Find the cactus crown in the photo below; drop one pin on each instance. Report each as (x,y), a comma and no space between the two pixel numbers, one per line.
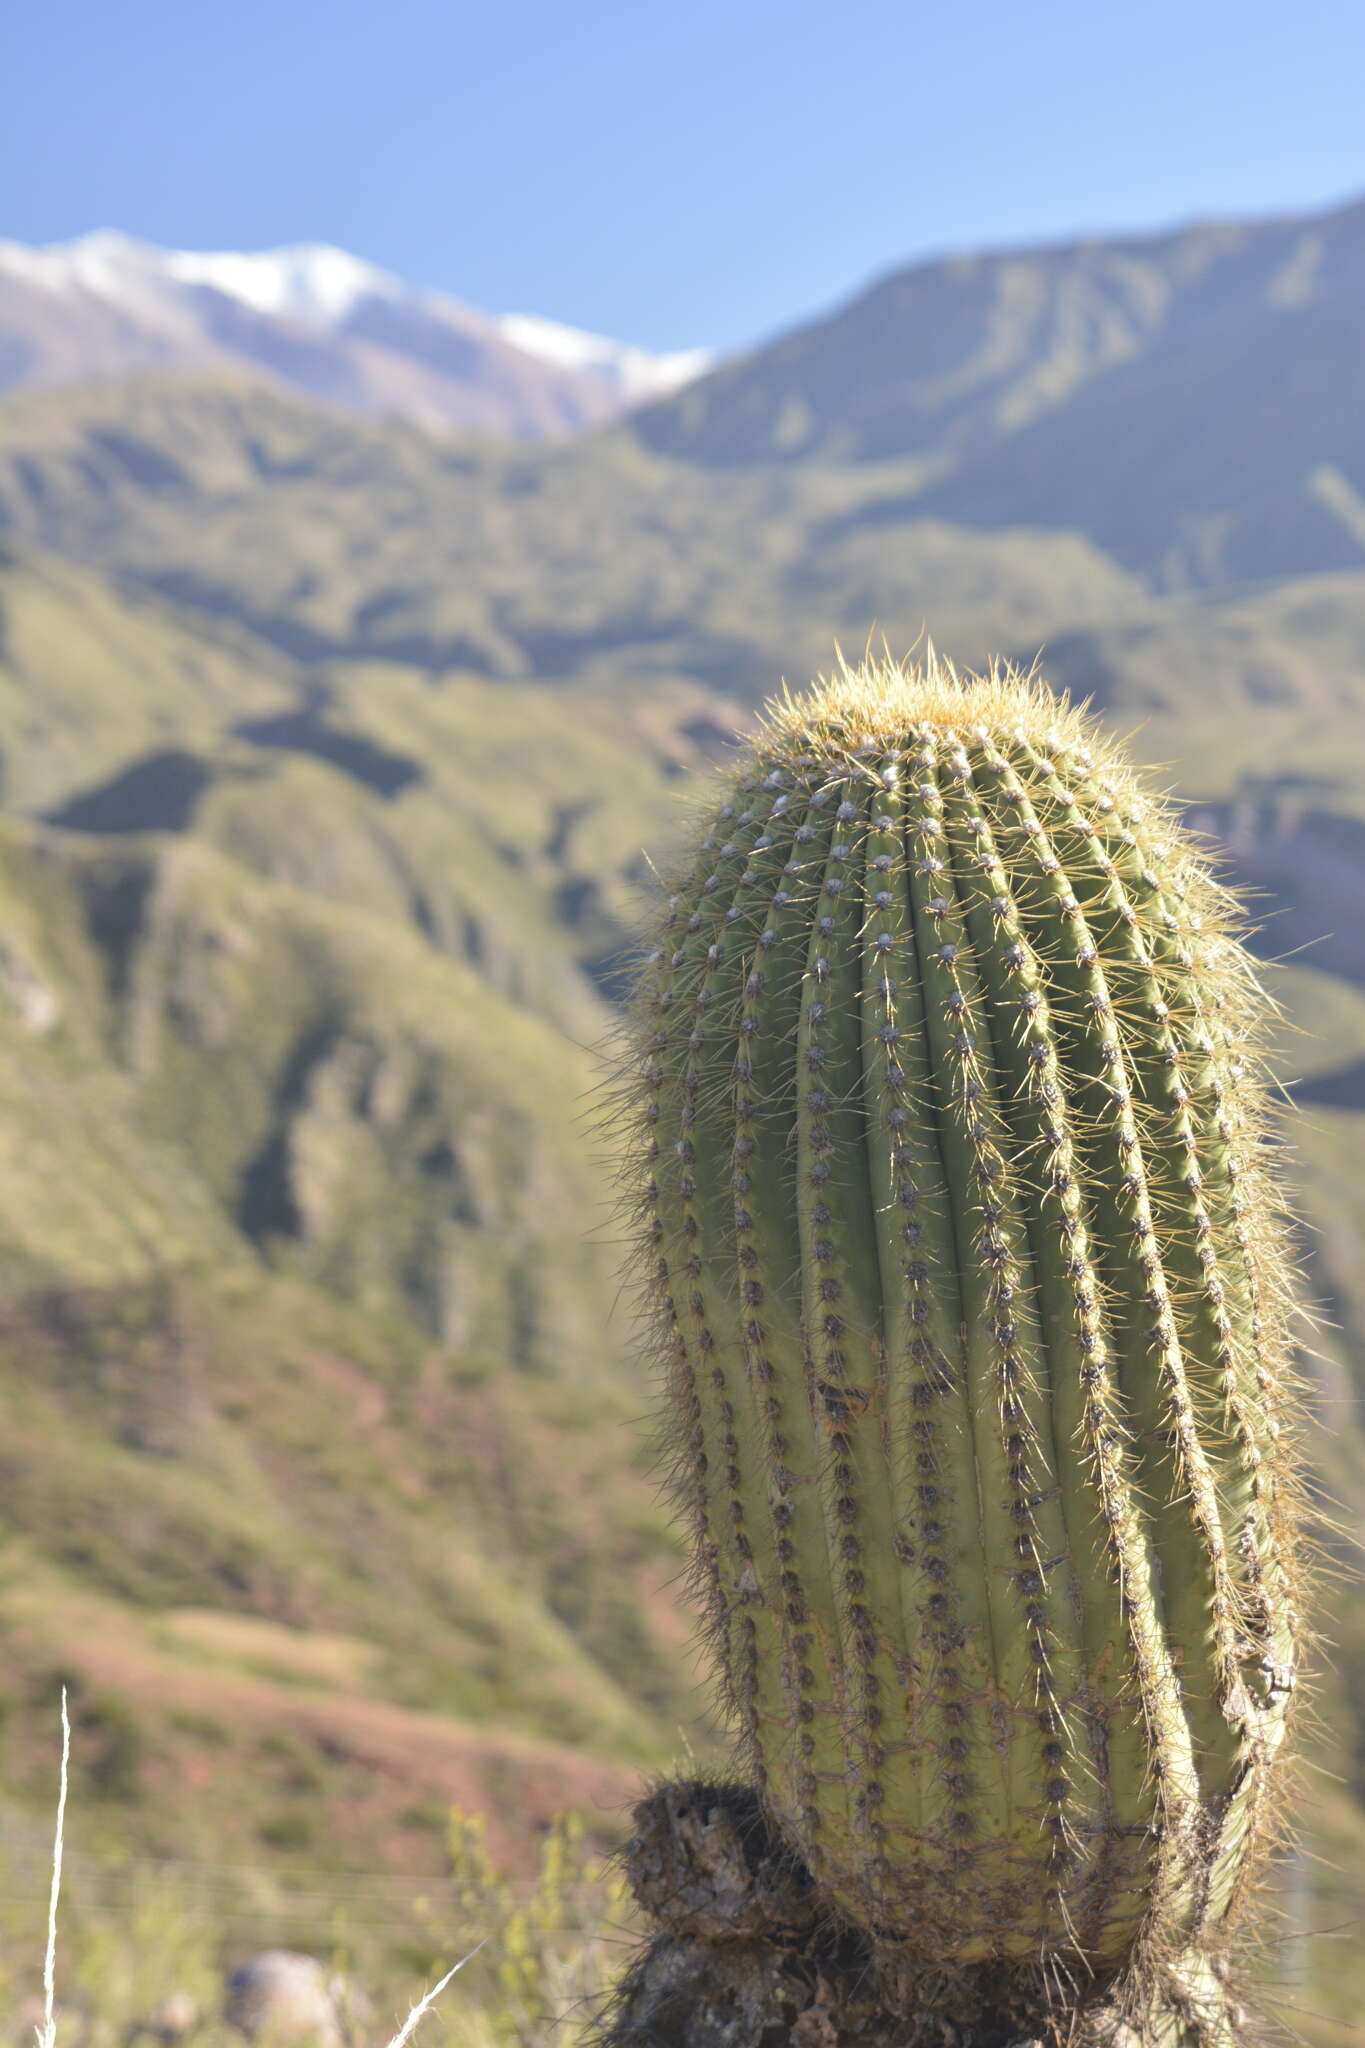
(965,1256)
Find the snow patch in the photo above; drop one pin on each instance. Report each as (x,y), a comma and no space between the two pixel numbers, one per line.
(635,372)
(312,281)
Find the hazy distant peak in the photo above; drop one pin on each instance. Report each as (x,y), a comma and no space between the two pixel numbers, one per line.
(321,319)
(310,283)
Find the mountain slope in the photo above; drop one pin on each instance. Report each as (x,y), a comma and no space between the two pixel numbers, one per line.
(336,538)
(93,677)
(501,824)
(1193,402)
(317,319)
(337,1096)
(318,1391)
(311,1581)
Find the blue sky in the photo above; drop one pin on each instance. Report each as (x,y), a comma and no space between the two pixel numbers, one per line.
(707,173)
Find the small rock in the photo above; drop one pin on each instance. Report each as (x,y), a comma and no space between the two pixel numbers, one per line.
(23,990)
(173,2018)
(280,1999)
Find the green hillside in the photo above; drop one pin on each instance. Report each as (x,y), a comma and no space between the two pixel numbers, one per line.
(593,560)
(330,761)
(312,1581)
(317,1390)
(310,1265)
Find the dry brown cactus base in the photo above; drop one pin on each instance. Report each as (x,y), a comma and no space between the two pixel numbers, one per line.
(746,1956)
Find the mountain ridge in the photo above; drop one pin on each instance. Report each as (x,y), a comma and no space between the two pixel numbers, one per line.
(995,378)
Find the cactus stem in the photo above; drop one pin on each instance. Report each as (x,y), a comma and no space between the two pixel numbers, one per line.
(965,1246)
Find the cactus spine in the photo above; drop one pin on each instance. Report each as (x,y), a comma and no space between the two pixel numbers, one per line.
(968,1266)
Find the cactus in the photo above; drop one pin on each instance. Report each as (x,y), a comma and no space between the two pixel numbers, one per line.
(966,1260)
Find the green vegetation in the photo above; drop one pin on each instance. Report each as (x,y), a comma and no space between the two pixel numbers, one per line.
(136,1942)
(265,1531)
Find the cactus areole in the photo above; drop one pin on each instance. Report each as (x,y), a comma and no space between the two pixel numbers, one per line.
(967,1266)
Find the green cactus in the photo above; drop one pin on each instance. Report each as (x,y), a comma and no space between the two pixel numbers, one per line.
(966,1257)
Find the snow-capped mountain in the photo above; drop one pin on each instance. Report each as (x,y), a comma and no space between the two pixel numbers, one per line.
(321,320)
